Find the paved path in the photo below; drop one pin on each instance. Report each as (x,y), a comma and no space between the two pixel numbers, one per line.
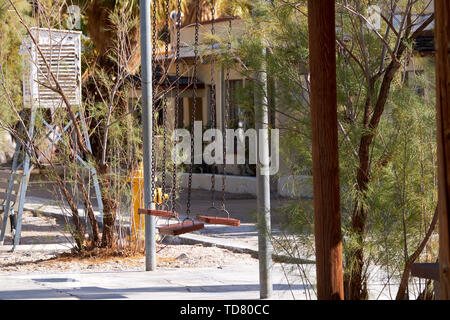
(229,283)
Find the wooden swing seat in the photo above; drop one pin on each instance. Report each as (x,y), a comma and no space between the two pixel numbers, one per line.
(180,228)
(158,213)
(219,220)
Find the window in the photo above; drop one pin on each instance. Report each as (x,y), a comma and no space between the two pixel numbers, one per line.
(240,113)
(235,114)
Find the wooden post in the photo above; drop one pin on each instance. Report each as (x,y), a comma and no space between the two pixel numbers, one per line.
(442,33)
(327,216)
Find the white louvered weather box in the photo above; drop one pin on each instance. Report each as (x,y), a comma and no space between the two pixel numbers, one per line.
(62,51)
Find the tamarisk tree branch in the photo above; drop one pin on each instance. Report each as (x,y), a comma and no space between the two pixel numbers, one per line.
(412,258)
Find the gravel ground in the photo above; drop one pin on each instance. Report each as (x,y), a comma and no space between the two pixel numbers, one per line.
(170,256)
(38,229)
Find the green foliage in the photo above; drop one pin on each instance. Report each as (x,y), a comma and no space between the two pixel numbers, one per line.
(401,194)
(11,35)
(404,186)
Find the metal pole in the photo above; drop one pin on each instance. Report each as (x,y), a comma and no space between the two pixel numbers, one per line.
(27,168)
(147,125)
(23,190)
(6,212)
(263,190)
(263,183)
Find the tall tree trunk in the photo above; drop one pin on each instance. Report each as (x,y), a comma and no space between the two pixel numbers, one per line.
(109,219)
(110,206)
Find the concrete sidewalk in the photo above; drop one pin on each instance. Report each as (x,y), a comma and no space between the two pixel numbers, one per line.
(57,247)
(229,283)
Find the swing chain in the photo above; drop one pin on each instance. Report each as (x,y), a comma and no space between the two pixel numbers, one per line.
(194,105)
(177,98)
(153,173)
(213,100)
(166,74)
(225,122)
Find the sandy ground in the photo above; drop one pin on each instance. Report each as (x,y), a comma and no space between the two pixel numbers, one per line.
(171,256)
(38,229)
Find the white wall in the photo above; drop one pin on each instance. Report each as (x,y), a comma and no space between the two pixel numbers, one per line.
(289,187)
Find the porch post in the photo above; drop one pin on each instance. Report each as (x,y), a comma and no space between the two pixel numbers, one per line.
(442,33)
(327,216)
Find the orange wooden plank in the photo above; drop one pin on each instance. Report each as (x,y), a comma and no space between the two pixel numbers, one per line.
(180,228)
(219,220)
(158,213)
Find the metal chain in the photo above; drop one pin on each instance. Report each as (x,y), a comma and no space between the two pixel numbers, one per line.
(194,104)
(154,84)
(213,99)
(177,99)
(166,75)
(225,121)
